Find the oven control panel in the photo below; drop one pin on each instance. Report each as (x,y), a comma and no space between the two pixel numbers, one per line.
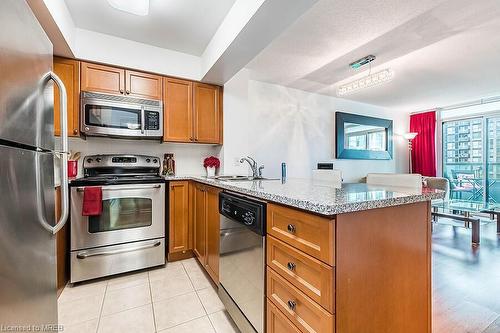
(121,161)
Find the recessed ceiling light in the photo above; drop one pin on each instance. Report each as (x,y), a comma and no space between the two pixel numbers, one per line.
(365,82)
(136,7)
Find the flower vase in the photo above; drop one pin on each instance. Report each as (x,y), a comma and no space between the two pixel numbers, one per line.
(210,172)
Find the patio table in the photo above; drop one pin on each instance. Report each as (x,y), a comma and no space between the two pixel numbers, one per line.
(462,210)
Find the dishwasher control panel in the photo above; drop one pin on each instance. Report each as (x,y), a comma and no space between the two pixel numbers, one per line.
(248,212)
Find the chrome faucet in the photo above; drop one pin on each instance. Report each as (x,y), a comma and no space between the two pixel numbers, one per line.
(253,165)
(260,171)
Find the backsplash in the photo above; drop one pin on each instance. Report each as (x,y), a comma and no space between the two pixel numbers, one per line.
(188,157)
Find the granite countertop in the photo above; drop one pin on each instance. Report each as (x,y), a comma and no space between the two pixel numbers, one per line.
(321,197)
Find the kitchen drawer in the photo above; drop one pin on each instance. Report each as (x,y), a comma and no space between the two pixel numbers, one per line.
(313,277)
(310,233)
(277,322)
(302,311)
(115,259)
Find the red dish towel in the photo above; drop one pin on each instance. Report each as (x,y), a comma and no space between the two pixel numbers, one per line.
(92,201)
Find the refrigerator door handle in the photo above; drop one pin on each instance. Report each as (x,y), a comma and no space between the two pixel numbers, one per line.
(63,160)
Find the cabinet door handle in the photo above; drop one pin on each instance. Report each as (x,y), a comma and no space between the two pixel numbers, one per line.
(291,305)
(121,91)
(291,228)
(75,131)
(128,92)
(291,266)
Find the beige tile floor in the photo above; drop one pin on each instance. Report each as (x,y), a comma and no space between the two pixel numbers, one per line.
(177,298)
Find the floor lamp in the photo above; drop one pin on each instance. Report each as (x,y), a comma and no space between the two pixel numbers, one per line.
(410,136)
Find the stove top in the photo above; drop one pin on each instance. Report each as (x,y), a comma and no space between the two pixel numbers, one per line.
(119,169)
(116,180)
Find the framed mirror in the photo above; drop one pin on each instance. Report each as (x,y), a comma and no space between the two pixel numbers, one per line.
(362,137)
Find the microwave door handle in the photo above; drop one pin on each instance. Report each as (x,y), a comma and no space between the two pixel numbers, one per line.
(142,119)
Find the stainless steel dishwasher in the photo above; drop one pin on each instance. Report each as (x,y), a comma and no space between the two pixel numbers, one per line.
(242,260)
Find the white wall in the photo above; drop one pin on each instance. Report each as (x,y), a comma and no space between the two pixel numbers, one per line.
(188,157)
(277,124)
(94,46)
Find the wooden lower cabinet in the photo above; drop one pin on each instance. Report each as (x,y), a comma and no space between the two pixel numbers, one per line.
(380,281)
(213,233)
(200,223)
(300,276)
(277,322)
(62,247)
(179,226)
(206,228)
(383,270)
(312,234)
(302,311)
(311,276)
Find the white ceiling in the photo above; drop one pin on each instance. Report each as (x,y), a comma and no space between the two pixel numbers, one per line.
(181,25)
(442,51)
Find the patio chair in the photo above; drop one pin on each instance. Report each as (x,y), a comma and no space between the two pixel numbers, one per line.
(462,182)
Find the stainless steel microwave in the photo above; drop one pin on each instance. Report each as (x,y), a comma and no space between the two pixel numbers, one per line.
(120,116)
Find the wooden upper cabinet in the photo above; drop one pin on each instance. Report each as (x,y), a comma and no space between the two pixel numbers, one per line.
(100,78)
(178,110)
(178,240)
(207,113)
(143,85)
(213,232)
(68,71)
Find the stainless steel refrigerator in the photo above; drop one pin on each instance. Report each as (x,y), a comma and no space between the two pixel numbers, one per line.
(27,156)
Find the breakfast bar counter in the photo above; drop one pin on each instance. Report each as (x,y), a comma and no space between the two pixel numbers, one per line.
(349,258)
(322,197)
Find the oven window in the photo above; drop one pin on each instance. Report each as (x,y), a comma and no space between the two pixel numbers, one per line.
(122,213)
(113,117)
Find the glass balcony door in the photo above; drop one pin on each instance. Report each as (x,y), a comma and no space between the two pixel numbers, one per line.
(493,160)
(471,158)
(463,158)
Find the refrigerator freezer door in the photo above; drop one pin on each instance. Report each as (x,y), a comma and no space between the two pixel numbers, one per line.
(26,103)
(27,250)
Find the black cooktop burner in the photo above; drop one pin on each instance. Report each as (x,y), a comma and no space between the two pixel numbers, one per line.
(117,180)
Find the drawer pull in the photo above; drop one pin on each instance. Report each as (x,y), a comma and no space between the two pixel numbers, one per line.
(291,228)
(291,266)
(292,305)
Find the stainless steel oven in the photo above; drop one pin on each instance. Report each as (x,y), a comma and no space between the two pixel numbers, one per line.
(129,233)
(120,116)
(130,213)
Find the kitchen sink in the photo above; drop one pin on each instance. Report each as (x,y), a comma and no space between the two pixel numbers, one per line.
(242,178)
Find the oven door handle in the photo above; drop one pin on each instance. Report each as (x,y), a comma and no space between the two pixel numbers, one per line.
(94,253)
(81,189)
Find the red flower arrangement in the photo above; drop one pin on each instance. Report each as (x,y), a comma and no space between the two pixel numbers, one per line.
(211,162)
